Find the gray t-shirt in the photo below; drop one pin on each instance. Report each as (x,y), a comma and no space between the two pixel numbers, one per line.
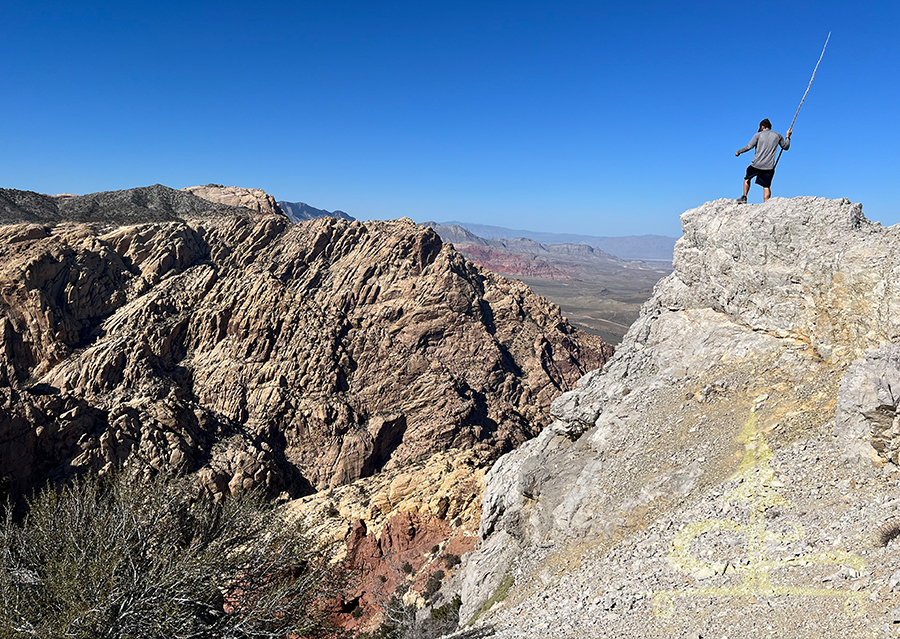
(766,143)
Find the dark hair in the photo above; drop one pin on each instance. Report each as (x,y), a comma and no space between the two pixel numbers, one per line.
(765,124)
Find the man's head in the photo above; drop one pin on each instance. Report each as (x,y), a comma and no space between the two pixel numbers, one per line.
(765,124)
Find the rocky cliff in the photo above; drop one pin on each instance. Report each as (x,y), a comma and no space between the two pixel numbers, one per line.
(181,333)
(732,470)
(255,200)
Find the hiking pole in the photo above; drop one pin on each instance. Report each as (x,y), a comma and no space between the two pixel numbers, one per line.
(804,96)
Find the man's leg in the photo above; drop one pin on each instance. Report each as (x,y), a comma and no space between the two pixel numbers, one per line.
(746,187)
(767,193)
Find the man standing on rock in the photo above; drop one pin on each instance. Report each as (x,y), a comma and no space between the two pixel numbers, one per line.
(762,167)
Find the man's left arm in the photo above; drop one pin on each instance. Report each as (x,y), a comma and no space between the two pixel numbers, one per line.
(786,141)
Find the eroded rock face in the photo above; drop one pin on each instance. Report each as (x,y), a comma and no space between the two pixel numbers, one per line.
(866,419)
(259,352)
(757,328)
(255,200)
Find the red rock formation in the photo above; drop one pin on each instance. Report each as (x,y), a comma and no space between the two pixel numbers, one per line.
(410,549)
(515,264)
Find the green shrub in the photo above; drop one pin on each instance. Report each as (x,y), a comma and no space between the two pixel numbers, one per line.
(406,567)
(451,561)
(433,584)
(124,558)
(449,611)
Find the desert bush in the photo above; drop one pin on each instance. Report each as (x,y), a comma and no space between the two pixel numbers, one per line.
(433,584)
(449,612)
(123,558)
(403,621)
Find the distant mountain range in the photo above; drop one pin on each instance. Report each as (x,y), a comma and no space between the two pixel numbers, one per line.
(596,290)
(300,211)
(525,257)
(631,247)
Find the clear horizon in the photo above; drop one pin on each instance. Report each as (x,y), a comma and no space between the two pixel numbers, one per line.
(588,118)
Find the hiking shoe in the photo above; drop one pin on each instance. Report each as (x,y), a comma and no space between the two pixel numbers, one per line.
(742,199)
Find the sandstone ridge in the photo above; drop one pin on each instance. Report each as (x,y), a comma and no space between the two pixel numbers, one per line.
(754,399)
(229,342)
(255,200)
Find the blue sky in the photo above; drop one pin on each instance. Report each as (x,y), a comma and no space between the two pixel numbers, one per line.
(587,117)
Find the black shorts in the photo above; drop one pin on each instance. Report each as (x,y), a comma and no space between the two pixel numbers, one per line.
(763,176)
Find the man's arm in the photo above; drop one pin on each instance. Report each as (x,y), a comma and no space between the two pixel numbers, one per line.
(749,146)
